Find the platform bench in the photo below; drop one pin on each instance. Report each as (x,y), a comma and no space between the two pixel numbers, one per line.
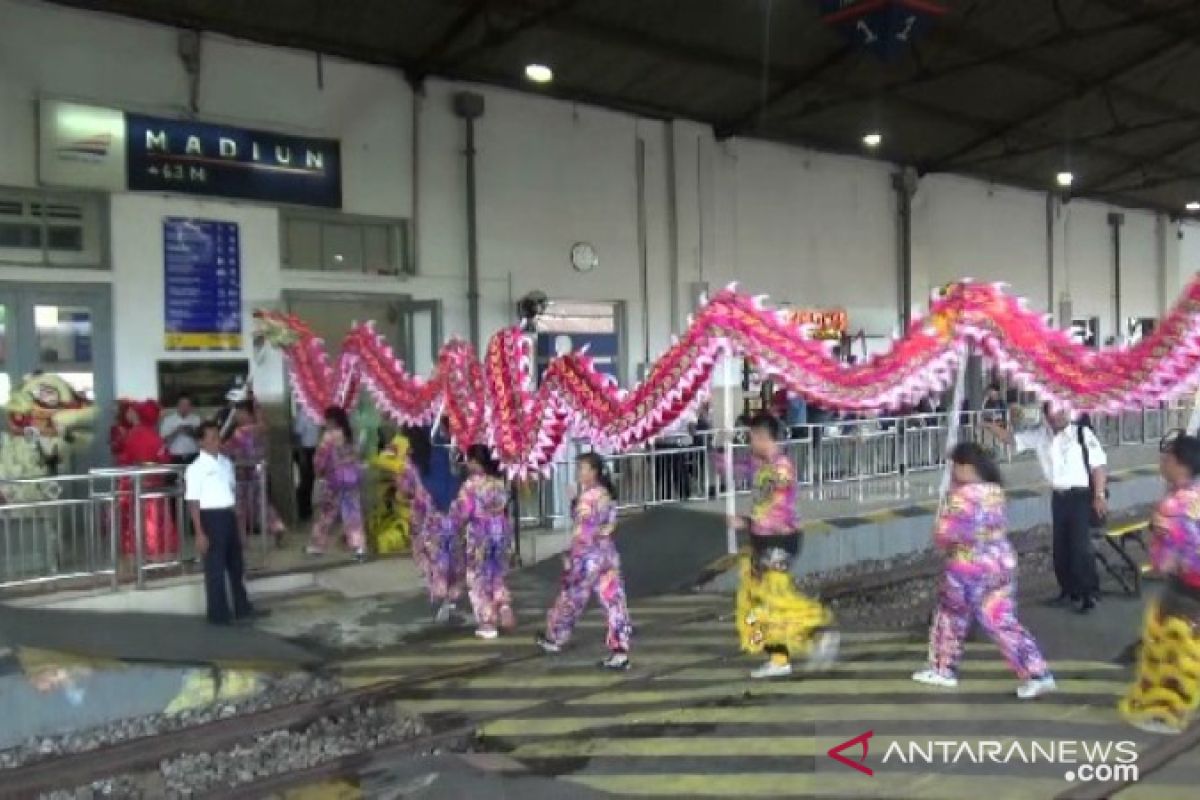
(1113,553)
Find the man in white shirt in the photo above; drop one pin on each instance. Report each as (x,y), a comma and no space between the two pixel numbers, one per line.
(1073,462)
(209,491)
(178,430)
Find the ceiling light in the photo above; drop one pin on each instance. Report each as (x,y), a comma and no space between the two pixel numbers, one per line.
(1065,179)
(539,73)
(1193,206)
(873,139)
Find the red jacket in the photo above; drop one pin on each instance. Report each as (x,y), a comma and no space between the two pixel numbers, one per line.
(142,444)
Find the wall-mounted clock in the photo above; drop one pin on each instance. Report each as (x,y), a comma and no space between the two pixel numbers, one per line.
(583,257)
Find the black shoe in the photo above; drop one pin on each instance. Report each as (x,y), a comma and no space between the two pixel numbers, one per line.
(1087,605)
(247,619)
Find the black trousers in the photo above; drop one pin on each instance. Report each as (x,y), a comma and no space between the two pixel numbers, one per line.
(1074,564)
(308,478)
(223,559)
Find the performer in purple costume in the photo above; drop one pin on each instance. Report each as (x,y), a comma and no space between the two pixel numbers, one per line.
(980,578)
(341,473)
(592,565)
(481,512)
(246,447)
(437,549)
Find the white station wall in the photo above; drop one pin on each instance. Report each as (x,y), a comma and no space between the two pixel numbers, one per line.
(807,228)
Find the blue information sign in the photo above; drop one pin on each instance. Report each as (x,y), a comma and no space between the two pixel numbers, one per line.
(169,155)
(203,284)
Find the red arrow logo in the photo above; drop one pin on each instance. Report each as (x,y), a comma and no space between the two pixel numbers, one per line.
(835,752)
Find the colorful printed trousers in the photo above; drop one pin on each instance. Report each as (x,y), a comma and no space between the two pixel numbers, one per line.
(438,551)
(487,565)
(772,614)
(249,499)
(595,570)
(1166,690)
(990,599)
(339,506)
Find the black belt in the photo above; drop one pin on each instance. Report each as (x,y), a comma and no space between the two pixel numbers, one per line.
(1075,490)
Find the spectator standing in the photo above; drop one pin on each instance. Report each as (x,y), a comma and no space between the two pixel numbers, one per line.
(1073,463)
(307,433)
(178,430)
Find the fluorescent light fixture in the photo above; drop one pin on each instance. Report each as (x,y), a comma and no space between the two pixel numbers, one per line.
(1193,206)
(539,73)
(1065,179)
(873,139)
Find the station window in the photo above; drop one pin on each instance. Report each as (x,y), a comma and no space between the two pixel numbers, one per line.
(51,229)
(343,243)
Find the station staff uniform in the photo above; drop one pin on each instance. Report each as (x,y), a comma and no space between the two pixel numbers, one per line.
(210,484)
(1061,458)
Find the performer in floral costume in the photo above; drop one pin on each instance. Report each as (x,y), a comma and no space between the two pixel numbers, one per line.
(1166,692)
(980,579)
(481,512)
(592,566)
(390,526)
(772,615)
(246,447)
(437,547)
(339,476)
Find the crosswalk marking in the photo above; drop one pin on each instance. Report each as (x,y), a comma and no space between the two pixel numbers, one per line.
(829,687)
(794,713)
(967,672)
(825,784)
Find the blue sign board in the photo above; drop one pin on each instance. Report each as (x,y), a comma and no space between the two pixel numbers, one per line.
(603,348)
(167,155)
(203,284)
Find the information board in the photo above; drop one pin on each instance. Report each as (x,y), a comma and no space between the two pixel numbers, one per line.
(203,284)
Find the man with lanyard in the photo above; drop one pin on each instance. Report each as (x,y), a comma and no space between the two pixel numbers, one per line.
(772,615)
(1073,463)
(209,491)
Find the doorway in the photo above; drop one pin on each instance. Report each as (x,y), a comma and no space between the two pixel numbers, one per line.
(413,328)
(64,329)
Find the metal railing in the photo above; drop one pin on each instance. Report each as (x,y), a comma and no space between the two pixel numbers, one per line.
(94,527)
(828,453)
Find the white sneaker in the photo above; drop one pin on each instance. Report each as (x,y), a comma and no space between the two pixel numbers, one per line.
(443,613)
(931,677)
(547,645)
(617,661)
(824,652)
(360,554)
(1156,726)
(772,670)
(1036,687)
(313,551)
(486,633)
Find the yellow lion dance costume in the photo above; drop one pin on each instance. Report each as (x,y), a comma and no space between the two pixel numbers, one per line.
(1166,691)
(389,525)
(772,613)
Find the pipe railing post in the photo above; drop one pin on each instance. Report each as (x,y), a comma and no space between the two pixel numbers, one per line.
(139,532)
